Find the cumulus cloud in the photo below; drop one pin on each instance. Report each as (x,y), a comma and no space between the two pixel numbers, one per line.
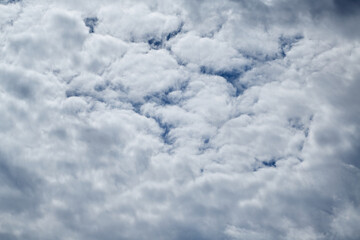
(190,120)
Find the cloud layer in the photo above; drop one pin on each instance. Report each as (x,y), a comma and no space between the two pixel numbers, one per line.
(179,120)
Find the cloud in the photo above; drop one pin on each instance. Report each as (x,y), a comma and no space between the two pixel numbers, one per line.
(187,120)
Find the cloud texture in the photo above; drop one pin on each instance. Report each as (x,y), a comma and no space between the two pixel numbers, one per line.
(179,120)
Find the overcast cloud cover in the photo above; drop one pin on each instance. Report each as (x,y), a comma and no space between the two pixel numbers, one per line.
(179,120)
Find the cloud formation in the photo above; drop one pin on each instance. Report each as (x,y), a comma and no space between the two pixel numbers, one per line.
(179,120)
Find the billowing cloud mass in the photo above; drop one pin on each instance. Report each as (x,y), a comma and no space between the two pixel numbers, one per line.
(179,120)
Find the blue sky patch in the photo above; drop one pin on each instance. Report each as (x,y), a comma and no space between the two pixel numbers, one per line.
(286,43)
(231,76)
(91,22)
(155,43)
(174,33)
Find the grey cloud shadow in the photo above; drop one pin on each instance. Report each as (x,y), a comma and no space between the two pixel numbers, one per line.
(347,7)
(19,84)
(25,188)
(7,236)
(9,1)
(343,15)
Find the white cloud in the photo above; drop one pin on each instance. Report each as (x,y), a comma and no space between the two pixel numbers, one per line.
(136,22)
(187,120)
(207,52)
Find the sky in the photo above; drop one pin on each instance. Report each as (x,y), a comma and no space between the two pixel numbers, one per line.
(179,120)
